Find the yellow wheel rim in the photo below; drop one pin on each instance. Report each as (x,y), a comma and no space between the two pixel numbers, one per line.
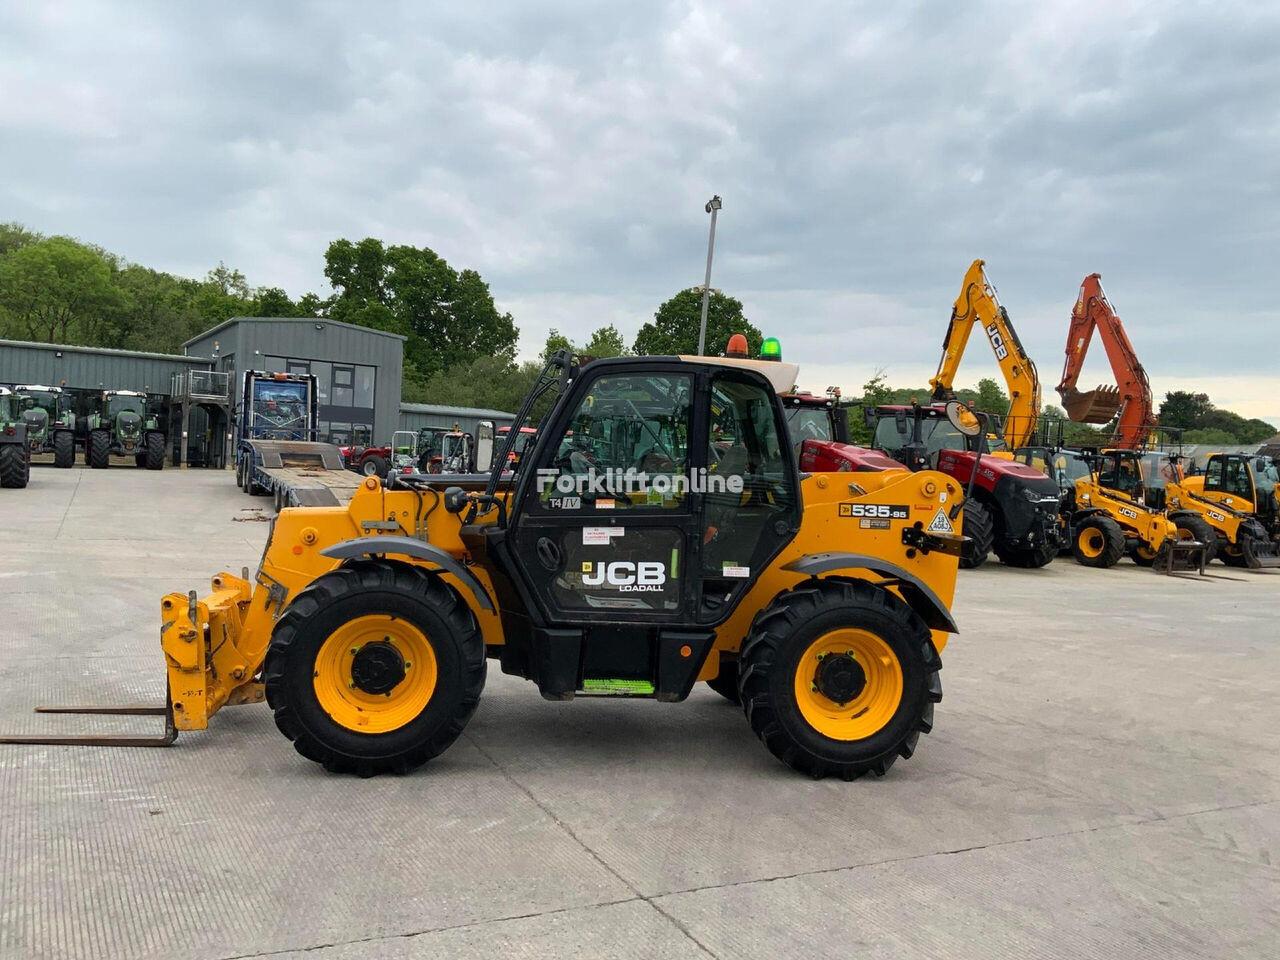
(1091,542)
(1146,553)
(875,702)
(375,712)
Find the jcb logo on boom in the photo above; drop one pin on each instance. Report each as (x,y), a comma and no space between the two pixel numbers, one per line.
(625,575)
(997,342)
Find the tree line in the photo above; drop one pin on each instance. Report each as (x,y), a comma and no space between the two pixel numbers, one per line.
(460,349)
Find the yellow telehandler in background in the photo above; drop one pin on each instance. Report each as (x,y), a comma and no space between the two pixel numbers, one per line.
(658,531)
(1245,490)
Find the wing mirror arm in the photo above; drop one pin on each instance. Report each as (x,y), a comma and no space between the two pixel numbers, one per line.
(970,423)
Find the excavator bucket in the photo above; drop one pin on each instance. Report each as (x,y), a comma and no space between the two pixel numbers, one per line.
(1092,406)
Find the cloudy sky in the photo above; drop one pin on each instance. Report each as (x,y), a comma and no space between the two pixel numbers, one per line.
(866,154)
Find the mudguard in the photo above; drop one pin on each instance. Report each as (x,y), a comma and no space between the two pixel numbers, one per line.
(914,590)
(410,547)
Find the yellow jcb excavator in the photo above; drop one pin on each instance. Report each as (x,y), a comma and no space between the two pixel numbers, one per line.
(977,304)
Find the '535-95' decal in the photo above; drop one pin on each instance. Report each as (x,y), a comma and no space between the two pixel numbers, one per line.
(875,511)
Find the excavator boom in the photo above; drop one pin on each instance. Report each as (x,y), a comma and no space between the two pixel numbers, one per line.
(1131,396)
(977,303)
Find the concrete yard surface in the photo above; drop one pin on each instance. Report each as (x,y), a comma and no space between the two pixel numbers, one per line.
(1103,780)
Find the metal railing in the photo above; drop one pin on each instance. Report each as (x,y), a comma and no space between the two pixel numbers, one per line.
(201,385)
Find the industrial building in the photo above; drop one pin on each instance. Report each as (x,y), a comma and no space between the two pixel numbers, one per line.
(358,373)
(357,369)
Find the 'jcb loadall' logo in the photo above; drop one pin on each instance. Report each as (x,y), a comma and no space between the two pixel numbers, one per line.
(627,577)
(997,341)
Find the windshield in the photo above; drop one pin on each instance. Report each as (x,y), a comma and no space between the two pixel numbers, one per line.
(120,404)
(8,408)
(807,423)
(280,405)
(1121,472)
(894,433)
(1158,470)
(54,403)
(1267,471)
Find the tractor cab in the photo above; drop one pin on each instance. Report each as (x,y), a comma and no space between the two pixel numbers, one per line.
(404,445)
(916,435)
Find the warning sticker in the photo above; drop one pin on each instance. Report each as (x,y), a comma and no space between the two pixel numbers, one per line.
(600,536)
(732,570)
(604,504)
(866,524)
(941,523)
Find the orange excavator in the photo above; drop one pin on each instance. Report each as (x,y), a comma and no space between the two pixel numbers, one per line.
(1131,396)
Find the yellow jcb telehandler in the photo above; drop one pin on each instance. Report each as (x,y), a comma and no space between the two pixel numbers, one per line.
(1109,516)
(1242,493)
(658,532)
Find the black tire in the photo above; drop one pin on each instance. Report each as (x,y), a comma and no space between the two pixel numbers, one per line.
(64,449)
(374,466)
(978,526)
(770,658)
(1192,527)
(240,474)
(99,449)
(1028,557)
(372,587)
(154,457)
(1140,558)
(725,682)
(15,466)
(1110,546)
(139,460)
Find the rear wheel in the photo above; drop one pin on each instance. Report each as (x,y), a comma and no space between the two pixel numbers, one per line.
(64,448)
(99,449)
(15,465)
(1031,557)
(978,526)
(1099,542)
(839,677)
(374,668)
(374,466)
(154,457)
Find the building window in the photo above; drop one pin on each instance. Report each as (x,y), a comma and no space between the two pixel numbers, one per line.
(343,391)
(363,387)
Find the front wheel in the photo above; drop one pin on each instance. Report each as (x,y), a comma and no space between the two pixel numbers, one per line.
(1040,555)
(64,449)
(839,677)
(374,668)
(374,466)
(99,449)
(15,465)
(1099,542)
(978,526)
(154,457)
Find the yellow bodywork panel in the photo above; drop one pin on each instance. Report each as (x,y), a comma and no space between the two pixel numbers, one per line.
(215,646)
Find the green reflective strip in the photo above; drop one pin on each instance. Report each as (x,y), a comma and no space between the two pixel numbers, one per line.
(603,685)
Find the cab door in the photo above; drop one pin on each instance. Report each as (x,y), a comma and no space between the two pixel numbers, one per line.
(605,519)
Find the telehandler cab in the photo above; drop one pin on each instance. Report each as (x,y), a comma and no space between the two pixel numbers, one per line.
(658,528)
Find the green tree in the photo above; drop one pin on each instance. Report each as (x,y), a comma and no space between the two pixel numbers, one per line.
(991,399)
(675,324)
(15,235)
(58,290)
(875,393)
(605,342)
(555,341)
(272,302)
(1182,410)
(448,316)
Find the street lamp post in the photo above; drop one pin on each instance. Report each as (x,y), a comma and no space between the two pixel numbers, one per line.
(713,207)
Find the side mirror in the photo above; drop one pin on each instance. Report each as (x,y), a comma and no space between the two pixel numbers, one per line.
(963,419)
(869,417)
(484,446)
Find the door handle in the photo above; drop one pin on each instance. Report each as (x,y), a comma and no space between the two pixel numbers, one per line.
(548,554)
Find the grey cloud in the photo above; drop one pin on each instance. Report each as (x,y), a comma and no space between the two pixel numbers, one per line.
(866,153)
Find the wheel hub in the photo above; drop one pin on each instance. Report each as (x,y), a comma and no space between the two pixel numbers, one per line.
(840,678)
(377,668)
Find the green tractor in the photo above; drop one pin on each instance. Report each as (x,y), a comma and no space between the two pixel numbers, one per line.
(51,426)
(15,460)
(122,427)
